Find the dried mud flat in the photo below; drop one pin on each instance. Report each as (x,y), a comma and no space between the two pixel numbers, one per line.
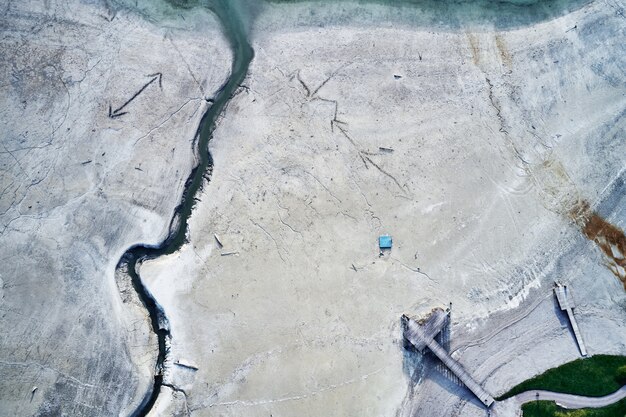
(491,150)
(99,107)
(470,146)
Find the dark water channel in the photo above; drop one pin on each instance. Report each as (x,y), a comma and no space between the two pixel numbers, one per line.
(230,17)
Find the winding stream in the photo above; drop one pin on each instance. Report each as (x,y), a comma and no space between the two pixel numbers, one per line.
(234,29)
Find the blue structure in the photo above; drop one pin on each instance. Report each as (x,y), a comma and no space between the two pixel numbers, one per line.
(384,242)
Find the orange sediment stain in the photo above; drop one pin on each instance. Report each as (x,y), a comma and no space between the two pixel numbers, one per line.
(505,55)
(609,238)
(475,48)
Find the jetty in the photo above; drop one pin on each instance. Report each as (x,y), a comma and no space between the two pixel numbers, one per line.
(421,334)
(566,303)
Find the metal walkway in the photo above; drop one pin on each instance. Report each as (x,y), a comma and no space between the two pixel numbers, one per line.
(566,302)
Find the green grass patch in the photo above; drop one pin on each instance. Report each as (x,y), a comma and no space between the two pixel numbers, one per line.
(550,409)
(596,376)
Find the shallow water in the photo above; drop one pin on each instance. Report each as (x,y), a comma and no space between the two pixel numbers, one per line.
(447,15)
(444,15)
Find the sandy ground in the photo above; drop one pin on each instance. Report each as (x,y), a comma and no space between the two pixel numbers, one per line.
(77,188)
(469,145)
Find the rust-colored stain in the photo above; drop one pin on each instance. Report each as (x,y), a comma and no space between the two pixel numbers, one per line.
(505,55)
(473,41)
(609,238)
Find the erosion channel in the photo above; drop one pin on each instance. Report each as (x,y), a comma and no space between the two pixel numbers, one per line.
(230,18)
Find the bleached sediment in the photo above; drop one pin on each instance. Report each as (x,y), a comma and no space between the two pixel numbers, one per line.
(80,184)
(508,126)
(468,134)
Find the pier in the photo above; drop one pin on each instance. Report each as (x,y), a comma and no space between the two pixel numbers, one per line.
(566,303)
(422,333)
